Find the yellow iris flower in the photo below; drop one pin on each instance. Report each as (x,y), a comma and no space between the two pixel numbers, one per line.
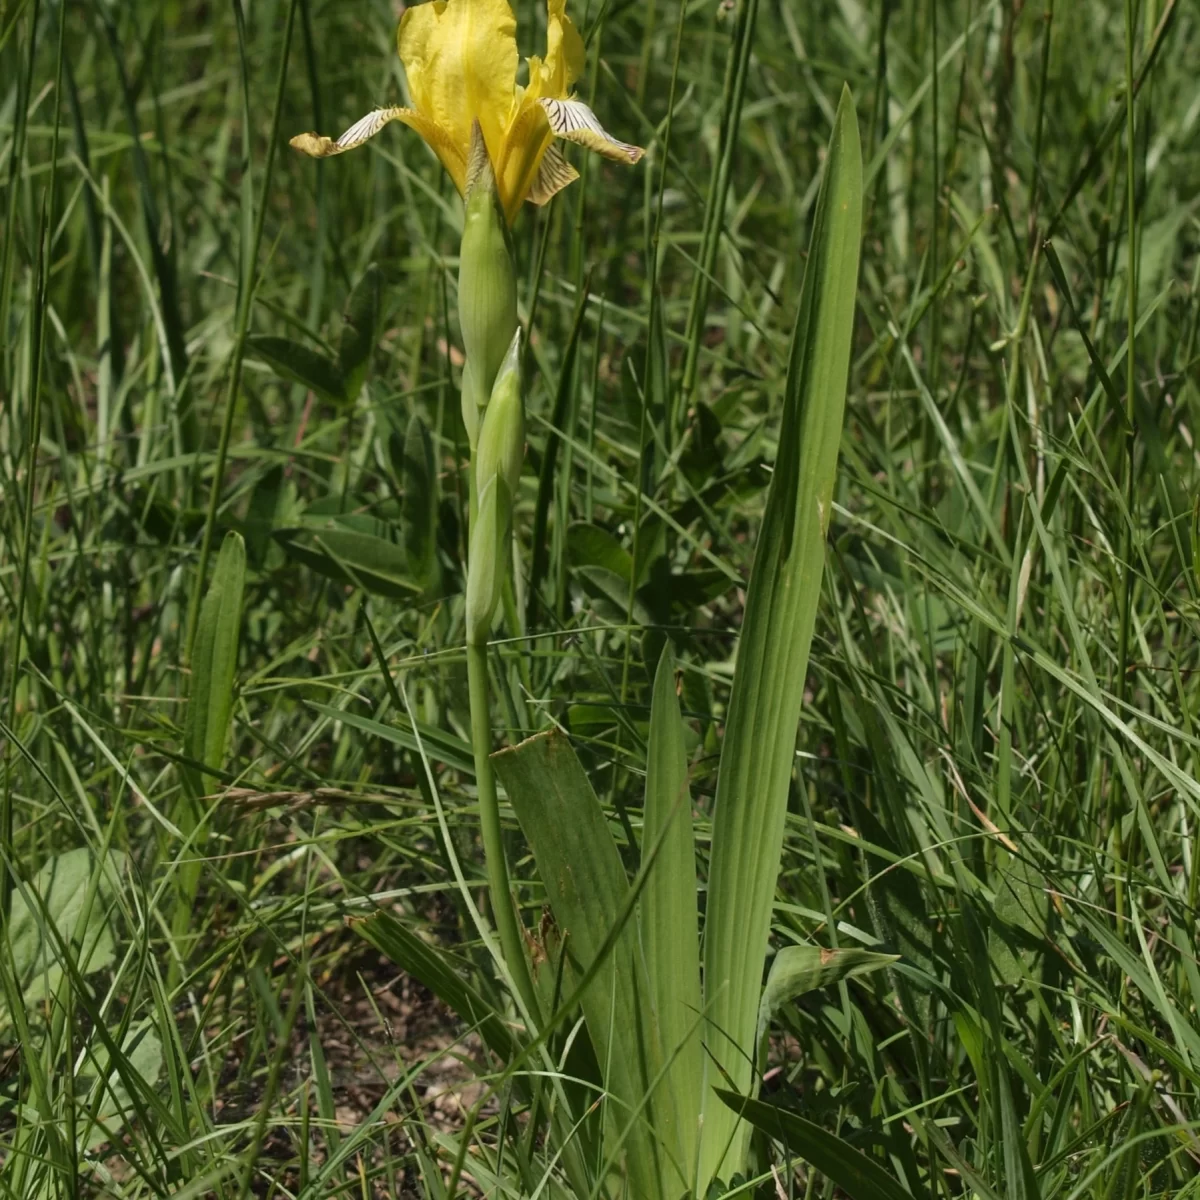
(460,57)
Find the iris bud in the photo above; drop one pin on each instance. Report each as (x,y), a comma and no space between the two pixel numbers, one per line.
(501,449)
(487,285)
(488,559)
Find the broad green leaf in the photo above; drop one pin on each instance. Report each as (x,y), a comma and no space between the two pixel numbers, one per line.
(858,1176)
(62,894)
(420,503)
(429,964)
(214,658)
(300,363)
(143,1062)
(263,516)
(606,586)
(772,663)
(341,549)
(669,921)
(1022,904)
(586,888)
(800,969)
(590,546)
(359,330)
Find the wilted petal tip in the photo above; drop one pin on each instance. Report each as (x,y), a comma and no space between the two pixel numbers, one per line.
(314,145)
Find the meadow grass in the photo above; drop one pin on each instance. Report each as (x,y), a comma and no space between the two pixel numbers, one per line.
(996,773)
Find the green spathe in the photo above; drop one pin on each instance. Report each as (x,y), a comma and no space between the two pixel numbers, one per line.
(488,561)
(487,285)
(501,448)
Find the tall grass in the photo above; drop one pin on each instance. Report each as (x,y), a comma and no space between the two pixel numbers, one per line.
(996,769)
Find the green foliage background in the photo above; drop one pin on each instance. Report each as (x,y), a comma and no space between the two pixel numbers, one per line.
(997,763)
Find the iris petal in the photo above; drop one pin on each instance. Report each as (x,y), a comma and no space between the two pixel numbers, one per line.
(573,121)
(554,174)
(526,141)
(563,64)
(316,145)
(460,57)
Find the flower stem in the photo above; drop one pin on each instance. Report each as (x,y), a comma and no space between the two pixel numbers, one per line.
(503,912)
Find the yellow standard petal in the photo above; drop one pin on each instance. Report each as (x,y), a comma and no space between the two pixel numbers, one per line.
(460,57)
(529,168)
(556,73)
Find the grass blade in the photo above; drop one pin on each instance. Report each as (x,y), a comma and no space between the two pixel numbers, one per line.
(210,705)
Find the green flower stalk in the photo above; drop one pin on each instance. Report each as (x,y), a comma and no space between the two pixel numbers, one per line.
(494,414)
(501,449)
(497,469)
(500,141)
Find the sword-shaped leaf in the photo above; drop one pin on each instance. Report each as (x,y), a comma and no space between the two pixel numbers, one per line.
(781,609)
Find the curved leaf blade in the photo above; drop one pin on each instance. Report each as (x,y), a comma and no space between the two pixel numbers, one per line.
(858,1176)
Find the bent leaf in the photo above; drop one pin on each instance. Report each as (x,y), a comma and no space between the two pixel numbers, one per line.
(341,549)
(428,964)
(800,969)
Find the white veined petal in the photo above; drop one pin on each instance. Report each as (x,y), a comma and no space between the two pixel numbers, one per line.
(554,174)
(573,121)
(361,131)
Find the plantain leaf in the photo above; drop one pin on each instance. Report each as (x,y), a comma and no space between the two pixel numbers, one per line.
(858,1176)
(299,363)
(360,328)
(142,1061)
(590,546)
(781,607)
(800,969)
(669,921)
(214,658)
(59,892)
(1018,929)
(351,550)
